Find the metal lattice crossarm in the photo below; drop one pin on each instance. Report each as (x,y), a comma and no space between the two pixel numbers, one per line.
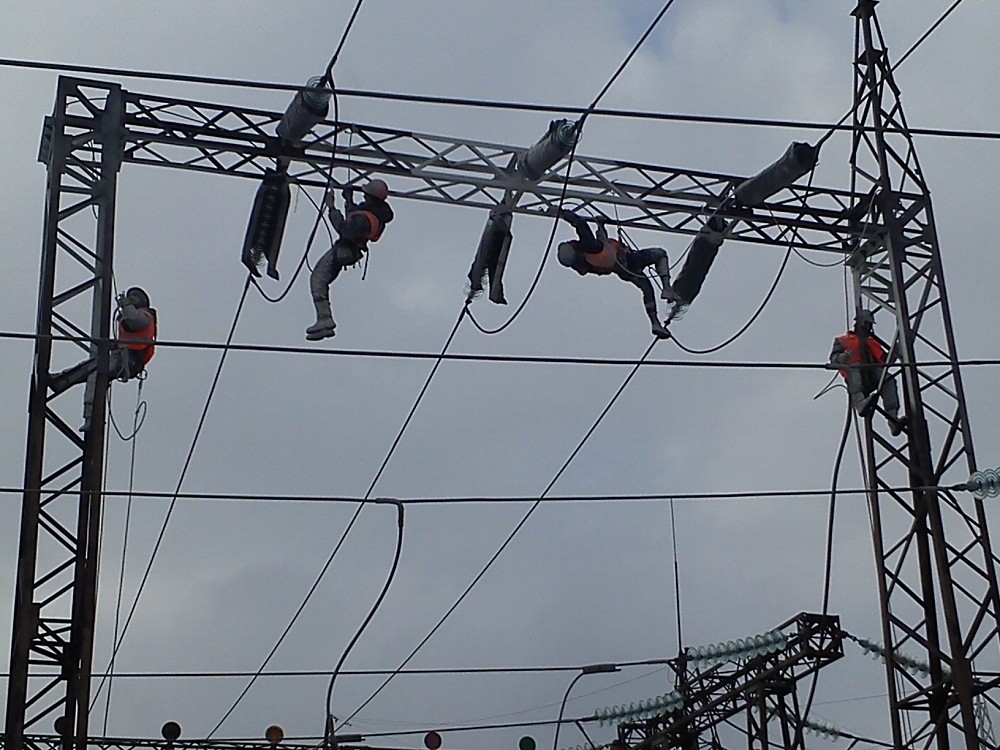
(763,686)
(224,139)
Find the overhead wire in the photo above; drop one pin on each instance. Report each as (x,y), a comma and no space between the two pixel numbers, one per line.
(421,671)
(170,509)
(360,506)
(484,103)
(510,537)
(839,125)
(328,77)
(507,358)
(505,499)
(329,723)
(138,417)
(743,329)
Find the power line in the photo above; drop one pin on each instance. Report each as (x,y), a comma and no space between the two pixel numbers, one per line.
(507,358)
(486,103)
(513,533)
(360,506)
(363,672)
(502,499)
(926,34)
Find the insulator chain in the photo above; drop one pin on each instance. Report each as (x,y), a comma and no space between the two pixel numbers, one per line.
(909,663)
(646,709)
(739,650)
(984,483)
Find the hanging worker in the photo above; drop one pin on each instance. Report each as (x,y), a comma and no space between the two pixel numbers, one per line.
(602,255)
(867,379)
(136,322)
(359,224)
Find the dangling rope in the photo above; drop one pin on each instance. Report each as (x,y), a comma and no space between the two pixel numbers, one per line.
(138,417)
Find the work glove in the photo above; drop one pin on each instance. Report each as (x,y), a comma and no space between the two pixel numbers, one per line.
(348,194)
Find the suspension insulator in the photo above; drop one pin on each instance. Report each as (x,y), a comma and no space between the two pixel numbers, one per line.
(267,224)
(984,483)
(798,160)
(307,109)
(491,256)
(699,261)
(554,145)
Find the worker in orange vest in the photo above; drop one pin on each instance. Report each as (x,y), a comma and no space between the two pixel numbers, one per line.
(359,224)
(136,322)
(866,377)
(602,255)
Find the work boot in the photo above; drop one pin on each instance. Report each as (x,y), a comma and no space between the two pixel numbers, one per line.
(323,328)
(867,407)
(662,269)
(668,292)
(69,377)
(896,425)
(659,331)
(88,409)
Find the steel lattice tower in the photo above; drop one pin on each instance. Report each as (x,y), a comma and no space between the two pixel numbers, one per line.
(936,568)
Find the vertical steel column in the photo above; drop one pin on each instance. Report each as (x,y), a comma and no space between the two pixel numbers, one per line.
(56,588)
(937,571)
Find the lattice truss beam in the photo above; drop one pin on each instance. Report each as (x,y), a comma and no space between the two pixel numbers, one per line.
(937,569)
(55,593)
(237,141)
(762,688)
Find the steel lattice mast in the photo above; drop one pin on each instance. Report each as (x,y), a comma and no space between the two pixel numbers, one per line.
(56,590)
(936,568)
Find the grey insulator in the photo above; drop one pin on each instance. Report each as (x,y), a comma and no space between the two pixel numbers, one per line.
(491,256)
(554,145)
(267,224)
(798,160)
(308,108)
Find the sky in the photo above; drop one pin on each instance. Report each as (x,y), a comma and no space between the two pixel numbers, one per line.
(580,583)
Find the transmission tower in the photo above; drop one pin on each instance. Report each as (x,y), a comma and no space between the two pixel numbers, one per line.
(936,567)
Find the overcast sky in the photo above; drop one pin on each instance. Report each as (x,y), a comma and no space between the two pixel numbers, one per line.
(582,582)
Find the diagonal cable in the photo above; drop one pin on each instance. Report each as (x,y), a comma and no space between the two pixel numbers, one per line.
(180,482)
(343,536)
(510,536)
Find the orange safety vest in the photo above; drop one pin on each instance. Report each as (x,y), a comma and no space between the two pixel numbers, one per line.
(852,345)
(375,226)
(140,340)
(604,261)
